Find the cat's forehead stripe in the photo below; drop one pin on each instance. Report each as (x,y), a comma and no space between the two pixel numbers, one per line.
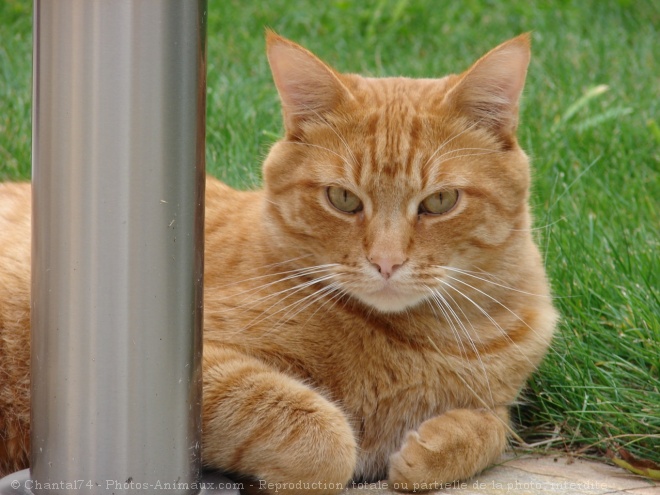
(391,143)
(392,140)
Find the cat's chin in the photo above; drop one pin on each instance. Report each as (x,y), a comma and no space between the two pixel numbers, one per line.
(388,300)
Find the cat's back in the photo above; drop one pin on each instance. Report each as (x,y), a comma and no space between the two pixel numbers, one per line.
(15,213)
(15,245)
(226,206)
(15,242)
(232,233)
(15,207)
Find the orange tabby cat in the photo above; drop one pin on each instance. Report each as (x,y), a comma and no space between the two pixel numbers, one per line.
(377,307)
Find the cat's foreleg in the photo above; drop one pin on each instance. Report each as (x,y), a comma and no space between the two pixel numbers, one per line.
(450,447)
(261,423)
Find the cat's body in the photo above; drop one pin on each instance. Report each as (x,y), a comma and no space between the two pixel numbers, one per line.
(385,281)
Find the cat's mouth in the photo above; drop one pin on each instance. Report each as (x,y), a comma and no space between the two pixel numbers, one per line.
(389,298)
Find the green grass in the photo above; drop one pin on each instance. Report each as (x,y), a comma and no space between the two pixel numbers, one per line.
(596,159)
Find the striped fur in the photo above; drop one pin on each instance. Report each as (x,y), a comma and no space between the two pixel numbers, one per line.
(388,342)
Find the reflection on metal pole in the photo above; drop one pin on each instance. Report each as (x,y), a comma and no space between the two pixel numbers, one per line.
(118,191)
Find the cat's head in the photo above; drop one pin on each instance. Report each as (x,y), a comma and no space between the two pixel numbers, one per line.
(387,184)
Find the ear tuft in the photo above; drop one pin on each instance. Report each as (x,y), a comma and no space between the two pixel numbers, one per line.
(489,92)
(307,86)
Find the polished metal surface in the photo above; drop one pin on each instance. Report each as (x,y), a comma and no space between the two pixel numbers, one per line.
(118,191)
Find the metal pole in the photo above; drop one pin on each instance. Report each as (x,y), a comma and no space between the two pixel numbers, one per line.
(118,191)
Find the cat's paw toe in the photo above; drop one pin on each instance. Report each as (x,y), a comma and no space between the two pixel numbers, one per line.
(414,465)
(447,448)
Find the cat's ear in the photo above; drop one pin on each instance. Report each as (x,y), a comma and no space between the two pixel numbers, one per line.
(489,91)
(308,87)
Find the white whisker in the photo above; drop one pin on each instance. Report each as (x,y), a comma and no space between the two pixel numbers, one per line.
(469,274)
(308,301)
(540,227)
(339,136)
(485,151)
(273,274)
(338,293)
(293,274)
(439,160)
(489,317)
(446,142)
(494,300)
(343,158)
(468,336)
(443,306)
(266,314)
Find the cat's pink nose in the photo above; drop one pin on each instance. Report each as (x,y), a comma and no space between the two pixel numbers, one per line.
(387,265)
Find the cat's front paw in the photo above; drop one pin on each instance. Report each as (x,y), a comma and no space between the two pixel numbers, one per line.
(446,448)
(266,426)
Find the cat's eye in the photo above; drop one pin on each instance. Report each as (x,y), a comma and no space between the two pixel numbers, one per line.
(343,199)
(439,202)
